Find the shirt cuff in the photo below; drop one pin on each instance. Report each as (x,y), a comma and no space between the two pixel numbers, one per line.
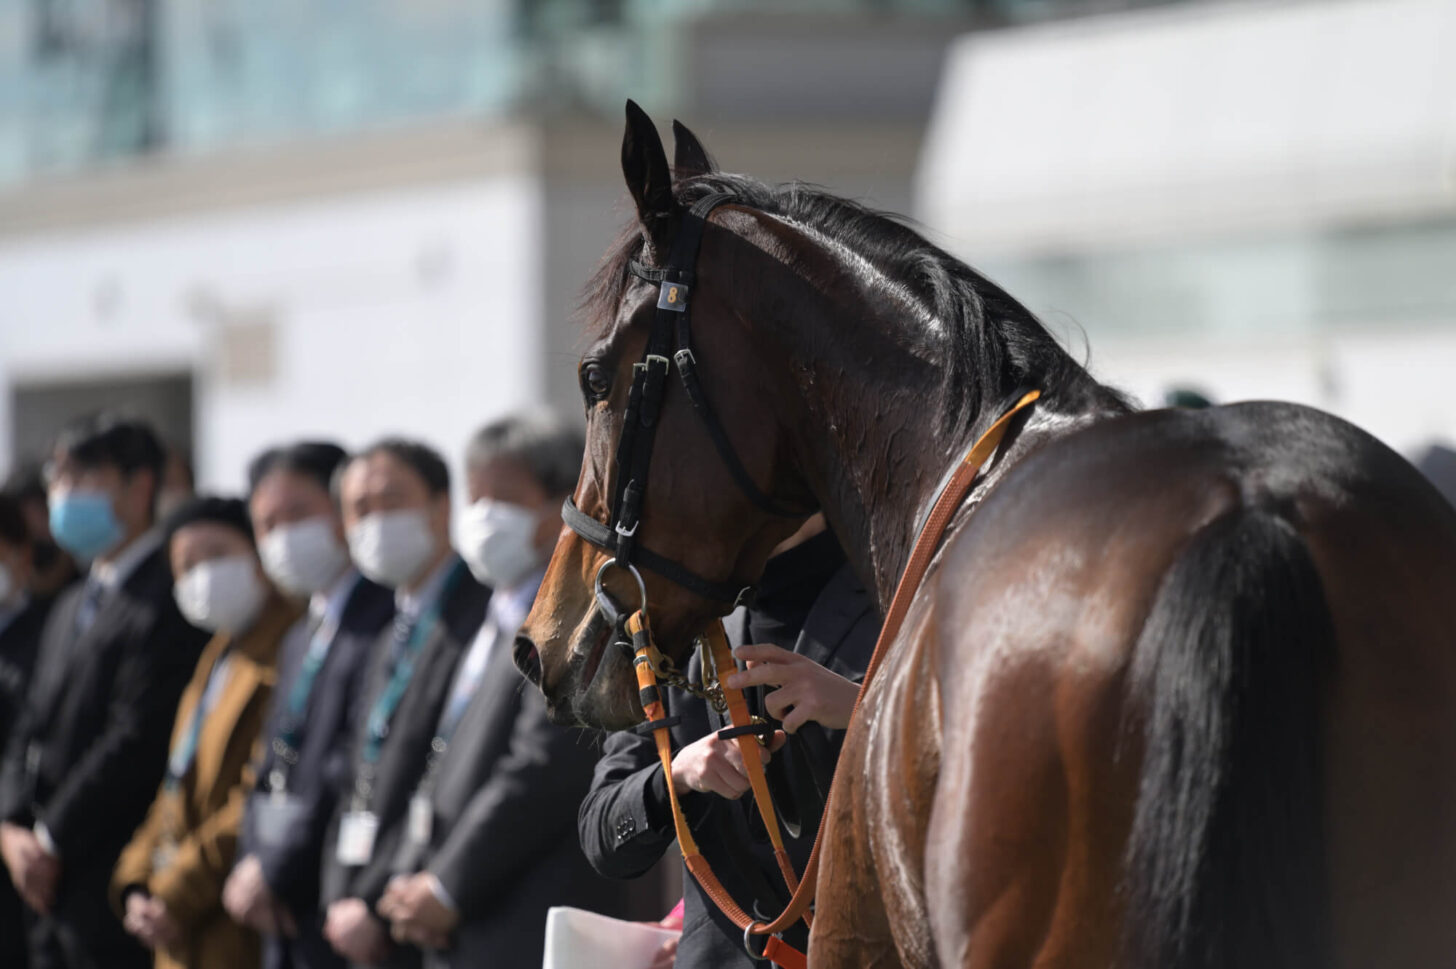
(47,843)
(438,890)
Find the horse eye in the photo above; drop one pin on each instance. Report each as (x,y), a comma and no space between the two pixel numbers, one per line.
(595,382)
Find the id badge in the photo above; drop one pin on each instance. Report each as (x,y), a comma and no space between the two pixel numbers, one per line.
(356,838)
(274,815)
(421,820)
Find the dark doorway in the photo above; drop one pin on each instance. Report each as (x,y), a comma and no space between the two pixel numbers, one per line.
(39,409)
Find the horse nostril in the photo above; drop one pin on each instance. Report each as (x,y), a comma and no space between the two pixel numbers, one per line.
(528,661)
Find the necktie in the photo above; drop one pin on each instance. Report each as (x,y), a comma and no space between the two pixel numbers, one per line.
(468,679)
(404,627)
(90,604)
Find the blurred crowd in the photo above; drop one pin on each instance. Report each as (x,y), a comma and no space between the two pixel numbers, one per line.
(284,728)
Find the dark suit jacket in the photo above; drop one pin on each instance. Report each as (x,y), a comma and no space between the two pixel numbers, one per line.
(324,768)
(19,642)
(505,799)
(99,716)
(402,755)
(625,821)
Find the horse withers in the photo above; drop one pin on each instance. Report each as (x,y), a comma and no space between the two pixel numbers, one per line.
(1179,689)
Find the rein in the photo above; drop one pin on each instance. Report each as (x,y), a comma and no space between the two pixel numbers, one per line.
(648,660)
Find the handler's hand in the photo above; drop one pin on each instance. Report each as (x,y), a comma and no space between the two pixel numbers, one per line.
(715,766)
(807,691)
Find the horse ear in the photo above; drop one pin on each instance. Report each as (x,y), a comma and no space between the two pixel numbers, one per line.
(644,165)
(690,157)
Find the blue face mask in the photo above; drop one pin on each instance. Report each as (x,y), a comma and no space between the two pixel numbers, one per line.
(84,524)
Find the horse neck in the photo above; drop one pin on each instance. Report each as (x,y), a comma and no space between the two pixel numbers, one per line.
(871,440)
(871,420)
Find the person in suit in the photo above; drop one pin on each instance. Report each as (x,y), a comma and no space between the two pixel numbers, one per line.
(168,881)
(808,636)
(305,758)
(22,615)
(52,568)
(395,498)
(491,846)
(86,756)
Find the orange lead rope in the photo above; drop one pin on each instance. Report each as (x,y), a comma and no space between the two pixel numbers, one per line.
(748,746)
(926,545)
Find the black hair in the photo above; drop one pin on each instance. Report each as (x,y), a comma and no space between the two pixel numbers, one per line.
(27,483)
(318,460)
(232,512)
(108,439)
(549,450)
(420,458)
(12,522)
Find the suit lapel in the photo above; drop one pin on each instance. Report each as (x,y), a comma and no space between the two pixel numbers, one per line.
(830,619)
(57,650)
(217,729)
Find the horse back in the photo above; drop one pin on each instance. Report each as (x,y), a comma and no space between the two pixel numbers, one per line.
(1025,667)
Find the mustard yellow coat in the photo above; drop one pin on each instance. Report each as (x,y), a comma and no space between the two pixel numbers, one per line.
(196,826)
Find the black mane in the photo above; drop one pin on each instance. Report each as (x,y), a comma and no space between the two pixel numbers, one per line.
(995,345)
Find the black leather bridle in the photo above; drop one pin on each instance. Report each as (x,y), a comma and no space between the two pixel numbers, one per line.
(671,334)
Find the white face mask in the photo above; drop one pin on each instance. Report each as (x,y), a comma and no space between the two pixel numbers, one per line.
(392,547)
(221,595)
(303,557)
(498,542)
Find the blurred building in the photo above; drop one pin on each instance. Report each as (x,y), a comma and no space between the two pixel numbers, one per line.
(252,219)
(1257,199)
(263,218)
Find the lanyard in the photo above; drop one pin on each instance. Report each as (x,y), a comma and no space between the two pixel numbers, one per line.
(377,723)
(185,751)
(286,743)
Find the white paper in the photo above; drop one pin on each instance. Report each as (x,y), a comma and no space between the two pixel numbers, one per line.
(577,939)
(420,821)
(356,837)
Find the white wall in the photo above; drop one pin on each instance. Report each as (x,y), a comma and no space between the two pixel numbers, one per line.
(1393,381)
(413,311)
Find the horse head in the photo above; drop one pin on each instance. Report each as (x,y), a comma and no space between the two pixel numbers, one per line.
(676,522)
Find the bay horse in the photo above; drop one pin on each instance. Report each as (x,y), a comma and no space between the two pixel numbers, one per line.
(1179,689)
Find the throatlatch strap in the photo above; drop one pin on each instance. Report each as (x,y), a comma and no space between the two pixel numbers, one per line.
(921,556)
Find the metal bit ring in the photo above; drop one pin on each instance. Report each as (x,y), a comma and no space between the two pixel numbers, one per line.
(606,603)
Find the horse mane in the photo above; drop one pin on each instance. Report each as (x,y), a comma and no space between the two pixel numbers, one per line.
(993,345)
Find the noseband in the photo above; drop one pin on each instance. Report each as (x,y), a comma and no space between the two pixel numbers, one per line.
(671,334)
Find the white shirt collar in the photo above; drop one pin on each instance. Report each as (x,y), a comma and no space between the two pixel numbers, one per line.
(412,604)
(509,607)
(329,604)
(112,574)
